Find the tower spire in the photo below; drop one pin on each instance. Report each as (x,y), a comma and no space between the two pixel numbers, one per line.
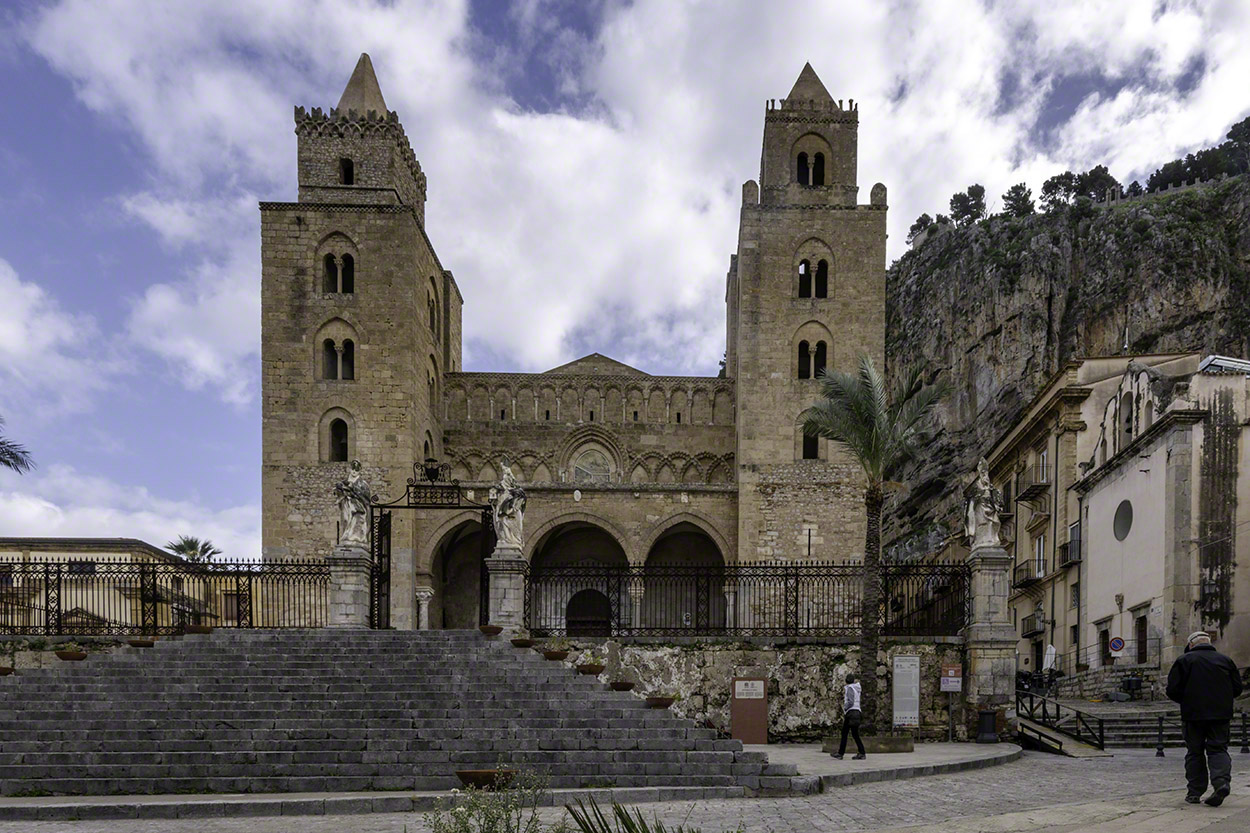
(808,87)
(362,93)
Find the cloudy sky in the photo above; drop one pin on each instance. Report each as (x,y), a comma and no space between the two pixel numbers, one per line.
(584,162)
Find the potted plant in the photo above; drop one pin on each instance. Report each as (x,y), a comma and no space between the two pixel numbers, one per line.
(662,701)
(621,685)
(71,652)
(591,664)
(197,628)
(556,649)
(490,630)
(140,642)
(523,639)
(5,670)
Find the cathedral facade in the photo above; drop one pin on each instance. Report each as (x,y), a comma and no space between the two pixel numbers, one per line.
(361,359)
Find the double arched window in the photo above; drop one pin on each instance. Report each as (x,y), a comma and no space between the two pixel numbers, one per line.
(338,361)
(812,360)
(817,285)
(338,273)
(809,171)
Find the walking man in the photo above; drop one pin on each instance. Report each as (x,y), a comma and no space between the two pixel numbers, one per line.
(1204,682)
(852,716)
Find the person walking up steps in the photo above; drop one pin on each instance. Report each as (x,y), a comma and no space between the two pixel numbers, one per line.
(1204,682)
(852,716)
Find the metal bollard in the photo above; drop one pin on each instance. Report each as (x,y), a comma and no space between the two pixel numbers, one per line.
(1159,746)
(1245,736)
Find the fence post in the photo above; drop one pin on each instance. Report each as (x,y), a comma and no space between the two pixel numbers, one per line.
(147,599)
(1245,737)
(243,592)
(1159,740)
(52,599)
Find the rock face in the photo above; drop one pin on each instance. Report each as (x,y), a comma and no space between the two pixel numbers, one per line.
(999,307)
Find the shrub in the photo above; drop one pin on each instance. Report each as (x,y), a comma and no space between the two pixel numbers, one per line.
(592,820)
(506,810)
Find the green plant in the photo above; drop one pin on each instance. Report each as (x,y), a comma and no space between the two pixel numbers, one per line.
(593,820)
(511,810)
(68,646)
(557,644)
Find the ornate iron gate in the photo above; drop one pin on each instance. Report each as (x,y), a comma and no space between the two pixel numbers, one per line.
(380,570)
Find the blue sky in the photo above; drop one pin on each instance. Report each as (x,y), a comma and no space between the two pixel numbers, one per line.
(585,161)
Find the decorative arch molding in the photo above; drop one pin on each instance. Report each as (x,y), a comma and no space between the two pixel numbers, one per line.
(599,521)
(344,322)
(432,541)
(588,434)
(692,518)
(323,433)
(336,240)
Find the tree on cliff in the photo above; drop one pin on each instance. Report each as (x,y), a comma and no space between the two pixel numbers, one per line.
(14,455)
(879,429)
(1095,183)
(922,223)
(968,206)
(1018,200)
(1058,191)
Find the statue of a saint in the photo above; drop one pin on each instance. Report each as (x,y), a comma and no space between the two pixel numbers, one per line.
(354,497)
(508,509)
(985,504)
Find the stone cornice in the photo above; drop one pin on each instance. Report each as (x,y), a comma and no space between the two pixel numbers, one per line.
(1171,419)
(624,380)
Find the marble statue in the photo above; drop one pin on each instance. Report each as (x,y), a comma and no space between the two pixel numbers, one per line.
(354,497)
(985,504)
(508,509)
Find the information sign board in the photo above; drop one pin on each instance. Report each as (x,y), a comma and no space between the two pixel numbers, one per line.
(906,691)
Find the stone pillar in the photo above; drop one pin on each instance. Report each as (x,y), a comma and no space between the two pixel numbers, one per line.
(423,597)
(349,587)
(506,567)
(990,637)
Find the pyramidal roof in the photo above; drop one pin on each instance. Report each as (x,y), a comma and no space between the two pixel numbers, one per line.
(363,93)
(597,363)
(808,86)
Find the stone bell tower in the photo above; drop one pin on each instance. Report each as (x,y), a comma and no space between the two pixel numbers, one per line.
(805,292)
(359,322)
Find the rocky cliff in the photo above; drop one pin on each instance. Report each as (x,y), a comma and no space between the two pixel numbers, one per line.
(1000,306)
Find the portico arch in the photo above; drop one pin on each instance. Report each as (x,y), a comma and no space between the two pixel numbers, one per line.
(456,573)
(578,579)
(683,581)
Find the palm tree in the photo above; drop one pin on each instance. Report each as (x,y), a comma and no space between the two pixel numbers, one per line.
(193,549)
(14,455)
(880,430)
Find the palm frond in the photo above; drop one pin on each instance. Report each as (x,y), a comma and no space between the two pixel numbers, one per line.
(13,455)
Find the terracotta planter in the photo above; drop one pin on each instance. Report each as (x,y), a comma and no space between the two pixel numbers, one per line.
(555,655)
(622,685)
(5,670)
(522,642)
(198,629)
(485,779)
(72,656)
(660,702)
(591,668)
(490,630)
(140,643)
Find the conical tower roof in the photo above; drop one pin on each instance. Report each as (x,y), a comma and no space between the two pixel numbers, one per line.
(808,87)
(363,93)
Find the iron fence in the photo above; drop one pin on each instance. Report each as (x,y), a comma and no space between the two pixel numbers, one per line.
(150,598)
(762,599)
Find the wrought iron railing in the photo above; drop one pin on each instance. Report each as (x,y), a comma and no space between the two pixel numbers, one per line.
(1084,726)
(787,599)
(152,598)
(1136,652)
(1028,572)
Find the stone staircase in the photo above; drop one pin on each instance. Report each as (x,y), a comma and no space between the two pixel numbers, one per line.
(338,711)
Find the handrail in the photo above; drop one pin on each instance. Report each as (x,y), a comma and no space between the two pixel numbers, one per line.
(1174,718)
(1083,722)
(1041,738)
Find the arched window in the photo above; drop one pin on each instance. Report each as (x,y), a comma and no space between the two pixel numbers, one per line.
(822,279)
(592,465)
(433,317)
(330,278)
(338,441)
(805,279)
(1148,413)
(1126,420)
(802,174)
(811,447)
(347,172)
(818,366)
(805,361)
(818,169)
(329,360)
(348,361)
(427,449)
(349,275)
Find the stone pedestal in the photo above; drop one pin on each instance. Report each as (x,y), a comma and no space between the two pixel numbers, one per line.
(423,596)
(506,567)
(991,639)
(349,587)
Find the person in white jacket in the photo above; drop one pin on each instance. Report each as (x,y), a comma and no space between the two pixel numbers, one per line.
(852,716)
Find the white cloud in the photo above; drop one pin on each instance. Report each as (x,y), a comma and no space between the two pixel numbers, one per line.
(51,360)
(63,502)
(610,227)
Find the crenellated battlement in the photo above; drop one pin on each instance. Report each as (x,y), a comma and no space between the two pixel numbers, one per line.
(351,124)
(828,106)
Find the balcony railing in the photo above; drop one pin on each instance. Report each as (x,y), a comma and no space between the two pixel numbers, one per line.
(1070,553)
(1034,482)
(1028,573)
(1031,626)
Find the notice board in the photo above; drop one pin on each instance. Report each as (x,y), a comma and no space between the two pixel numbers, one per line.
(906,691)
(748,709)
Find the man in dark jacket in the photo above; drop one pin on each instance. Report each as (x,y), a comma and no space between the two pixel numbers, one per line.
(1204,682)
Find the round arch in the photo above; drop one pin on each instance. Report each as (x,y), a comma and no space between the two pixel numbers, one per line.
(455,567)
(683,581)
(540,534)
(687,517)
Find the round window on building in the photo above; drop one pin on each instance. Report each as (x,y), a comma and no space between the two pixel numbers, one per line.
(1123,520)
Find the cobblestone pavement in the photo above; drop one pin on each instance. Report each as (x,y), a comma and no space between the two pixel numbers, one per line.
(991,800)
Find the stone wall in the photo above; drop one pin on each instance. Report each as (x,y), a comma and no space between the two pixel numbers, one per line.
(805,679)
(1099,682)
(32,652)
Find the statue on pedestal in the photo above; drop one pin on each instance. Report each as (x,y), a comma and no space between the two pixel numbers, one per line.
(985,505)
(508,509)
(354,497)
